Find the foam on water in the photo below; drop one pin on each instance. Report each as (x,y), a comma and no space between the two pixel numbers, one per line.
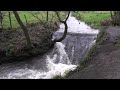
(64,65)
(54,69)
(63,55)
(57,69)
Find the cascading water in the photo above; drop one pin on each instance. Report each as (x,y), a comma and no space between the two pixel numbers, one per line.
(54,69)
(65,55)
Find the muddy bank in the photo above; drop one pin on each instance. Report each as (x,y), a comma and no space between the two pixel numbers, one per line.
(105,62)
(13,46)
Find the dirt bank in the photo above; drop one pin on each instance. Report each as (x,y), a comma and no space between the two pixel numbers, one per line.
(105,64)
(13,43)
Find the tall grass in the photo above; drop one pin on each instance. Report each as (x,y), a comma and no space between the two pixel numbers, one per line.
(93,18)
(30,18)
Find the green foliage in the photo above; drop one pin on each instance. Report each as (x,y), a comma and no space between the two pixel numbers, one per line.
(93,18)
(30,18)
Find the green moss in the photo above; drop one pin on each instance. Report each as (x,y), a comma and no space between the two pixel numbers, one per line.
(58,77)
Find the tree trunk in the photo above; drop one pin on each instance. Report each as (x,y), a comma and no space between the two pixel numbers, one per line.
(1,18)
(66,28)
(47,16)
(24,28)
(64,35)
(116,18)
(25,18)
(10,20)
(111,15)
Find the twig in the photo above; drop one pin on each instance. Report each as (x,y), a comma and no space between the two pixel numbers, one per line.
(1,19)
(67,16)
(38,18)
(57,13)
(10,19)
(25,18)
(66,27)
(52,18)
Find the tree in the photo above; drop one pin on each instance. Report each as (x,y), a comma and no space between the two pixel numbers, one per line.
(24,28)
(115,16)
(66,27)
(1,19)
(25,18)
(10,19)
(47,16)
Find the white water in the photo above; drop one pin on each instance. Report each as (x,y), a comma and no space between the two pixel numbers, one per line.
(64,65)
(54,69)
(75,26)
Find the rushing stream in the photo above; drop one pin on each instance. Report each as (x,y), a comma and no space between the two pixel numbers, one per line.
(65,55)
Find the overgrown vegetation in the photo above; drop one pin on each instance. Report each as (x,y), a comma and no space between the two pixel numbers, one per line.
(38,28)
(30,18)
(93,18)
(13,45)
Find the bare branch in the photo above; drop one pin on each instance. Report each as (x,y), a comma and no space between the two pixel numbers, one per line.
(67,16)
(10,19)
(25,18)
(66,27)
(37,18)
(42,15)
(25,30)
(57,13)
(1,19)
(52,17)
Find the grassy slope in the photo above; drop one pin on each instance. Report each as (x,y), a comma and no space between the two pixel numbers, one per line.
(93,18)
(30,18)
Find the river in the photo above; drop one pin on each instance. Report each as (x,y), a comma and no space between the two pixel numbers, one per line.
(62,58)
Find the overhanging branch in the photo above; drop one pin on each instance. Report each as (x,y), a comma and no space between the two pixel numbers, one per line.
(66,27)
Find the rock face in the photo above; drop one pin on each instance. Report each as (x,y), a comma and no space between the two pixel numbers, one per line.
(106,62)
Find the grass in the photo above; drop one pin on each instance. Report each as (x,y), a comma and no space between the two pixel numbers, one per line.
(30,18)
(93,18)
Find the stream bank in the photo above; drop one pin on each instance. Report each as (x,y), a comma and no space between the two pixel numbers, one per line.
(60,59)
(105,62)
(13,46)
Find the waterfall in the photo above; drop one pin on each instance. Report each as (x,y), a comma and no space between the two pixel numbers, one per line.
(63,58)
(54,69)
